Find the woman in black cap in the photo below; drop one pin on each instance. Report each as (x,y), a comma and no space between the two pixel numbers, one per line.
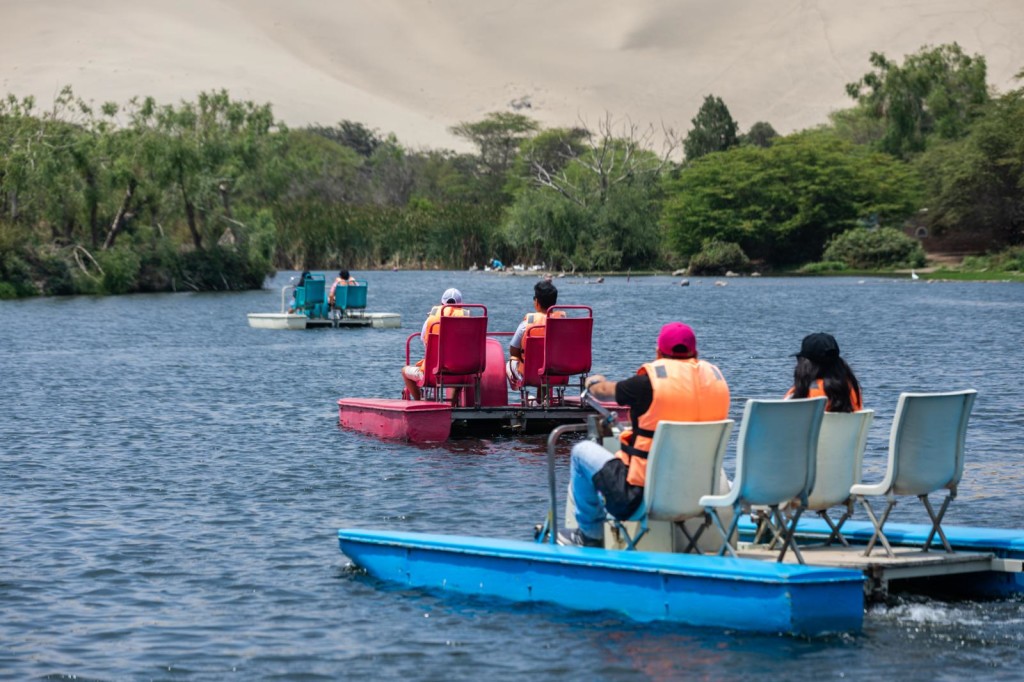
(820,371)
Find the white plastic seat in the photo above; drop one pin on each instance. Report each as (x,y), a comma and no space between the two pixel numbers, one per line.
(838,466)
(684,465)
(926,454)
(775,460)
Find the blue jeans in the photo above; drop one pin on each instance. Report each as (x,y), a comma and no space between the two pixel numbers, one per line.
(587,459)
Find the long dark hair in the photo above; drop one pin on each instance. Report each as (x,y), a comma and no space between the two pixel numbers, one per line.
(838,380)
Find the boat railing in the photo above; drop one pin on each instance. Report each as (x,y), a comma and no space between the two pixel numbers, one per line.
(604,424)
(284,293)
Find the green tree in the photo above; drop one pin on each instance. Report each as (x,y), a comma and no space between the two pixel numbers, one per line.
(593,198)
(935,92)
(714,130)
(976,185)
(760,134)
(782,203)
(498,138)
(356,136)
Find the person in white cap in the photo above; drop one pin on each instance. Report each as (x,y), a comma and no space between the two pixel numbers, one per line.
(413,374)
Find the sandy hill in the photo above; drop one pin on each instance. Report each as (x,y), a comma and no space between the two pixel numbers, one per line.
(416,67)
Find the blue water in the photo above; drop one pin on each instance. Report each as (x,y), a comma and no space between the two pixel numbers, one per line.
(173,481)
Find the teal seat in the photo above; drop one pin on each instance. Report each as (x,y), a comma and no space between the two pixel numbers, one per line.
(341,296)
(310,299)
(356,295)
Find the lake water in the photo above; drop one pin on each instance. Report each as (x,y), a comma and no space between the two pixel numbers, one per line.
(173,482)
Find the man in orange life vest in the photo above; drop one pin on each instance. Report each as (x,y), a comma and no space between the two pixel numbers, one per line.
(545,295)
(677,386)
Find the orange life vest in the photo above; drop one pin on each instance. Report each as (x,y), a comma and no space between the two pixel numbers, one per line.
(689,390)
(434,319)
(817,390)
(536,323)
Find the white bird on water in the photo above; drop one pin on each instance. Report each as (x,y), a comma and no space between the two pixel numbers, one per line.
(913,275)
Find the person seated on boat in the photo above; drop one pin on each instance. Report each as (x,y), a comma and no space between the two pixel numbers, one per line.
(342,280)
(413,374)
(545,295)
(821,372)
(295,291)
(676,386)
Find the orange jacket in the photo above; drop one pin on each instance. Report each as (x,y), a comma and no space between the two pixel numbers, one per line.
(817,390)
(689,390)
(433,320)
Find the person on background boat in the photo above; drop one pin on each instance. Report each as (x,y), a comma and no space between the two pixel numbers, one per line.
(676,386)
(545,295)
(342,280)
(413,374)
(295,291)
(821,372)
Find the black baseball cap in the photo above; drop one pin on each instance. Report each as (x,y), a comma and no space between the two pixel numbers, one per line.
(819,347)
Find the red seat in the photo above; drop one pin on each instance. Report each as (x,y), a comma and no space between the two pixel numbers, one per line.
(456,352)
(557,351)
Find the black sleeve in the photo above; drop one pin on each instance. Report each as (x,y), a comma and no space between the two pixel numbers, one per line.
(636,392)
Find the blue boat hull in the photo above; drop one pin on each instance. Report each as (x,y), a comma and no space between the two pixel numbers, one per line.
(695,590)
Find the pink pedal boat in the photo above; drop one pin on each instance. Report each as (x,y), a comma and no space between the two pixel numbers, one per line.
(465,386)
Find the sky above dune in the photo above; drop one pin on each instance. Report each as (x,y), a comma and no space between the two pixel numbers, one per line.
(418,67)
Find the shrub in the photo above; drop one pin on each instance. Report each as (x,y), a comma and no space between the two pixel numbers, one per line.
(718,257)
(823,266)
(864,249)
(1010,260)
(120,270)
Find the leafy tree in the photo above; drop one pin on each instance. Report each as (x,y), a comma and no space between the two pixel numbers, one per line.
(714,130)
(857,125)
(760,134)
(935,92)
(976,185)
(593,198)
(782,203)
(356,136)
(498,138)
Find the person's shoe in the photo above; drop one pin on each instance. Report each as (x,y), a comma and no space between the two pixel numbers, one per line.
(575,537)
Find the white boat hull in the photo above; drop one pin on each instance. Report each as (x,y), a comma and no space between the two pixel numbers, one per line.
(277,321)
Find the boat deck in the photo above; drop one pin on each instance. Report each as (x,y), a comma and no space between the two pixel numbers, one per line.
(358,319)
(994,557)
(881,570)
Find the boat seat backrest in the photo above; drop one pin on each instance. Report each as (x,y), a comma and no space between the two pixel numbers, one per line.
(775,455)
(314,290)
(567,345)
(926,444)
(461,345)
(840,457)
(533,360)
(356,295)
(430,359)
(341,296)
(684,464)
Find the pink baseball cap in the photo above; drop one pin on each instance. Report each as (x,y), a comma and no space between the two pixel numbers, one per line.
(676,340)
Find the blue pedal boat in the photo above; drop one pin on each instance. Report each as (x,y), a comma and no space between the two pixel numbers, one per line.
(753,591)
(743,594)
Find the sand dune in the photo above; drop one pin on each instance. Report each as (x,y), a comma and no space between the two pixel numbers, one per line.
(417,67)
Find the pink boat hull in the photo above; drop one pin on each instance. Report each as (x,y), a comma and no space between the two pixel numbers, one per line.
(407,420)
